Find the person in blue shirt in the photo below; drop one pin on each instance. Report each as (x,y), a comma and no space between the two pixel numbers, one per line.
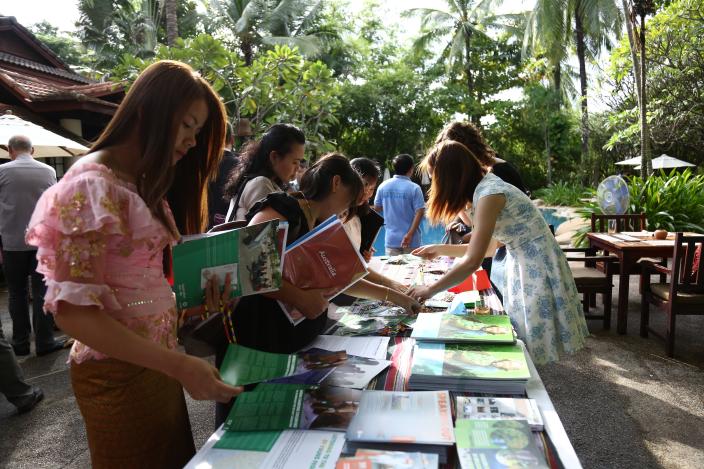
(402,204)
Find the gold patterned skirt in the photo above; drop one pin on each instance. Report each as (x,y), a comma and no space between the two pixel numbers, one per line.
(135,417)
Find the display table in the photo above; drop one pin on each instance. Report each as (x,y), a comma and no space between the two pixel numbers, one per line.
(560,446)
(209,457)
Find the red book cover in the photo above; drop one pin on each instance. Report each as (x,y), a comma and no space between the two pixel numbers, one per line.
(326,259)
(482,283)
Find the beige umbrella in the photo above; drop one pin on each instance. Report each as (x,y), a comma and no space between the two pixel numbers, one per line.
(667,162)
(46,143)
(630,161)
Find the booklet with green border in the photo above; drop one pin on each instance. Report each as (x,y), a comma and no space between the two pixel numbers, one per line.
(497,444)
(284,406)
(248,441)
(242,365)
(473,328)
(492,362)
(251,255)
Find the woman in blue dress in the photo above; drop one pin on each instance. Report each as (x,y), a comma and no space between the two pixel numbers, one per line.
(540,293)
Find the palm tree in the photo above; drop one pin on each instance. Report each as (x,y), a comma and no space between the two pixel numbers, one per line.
(456,26)
(170,9)
(643,8)
(593,24)
(256,23)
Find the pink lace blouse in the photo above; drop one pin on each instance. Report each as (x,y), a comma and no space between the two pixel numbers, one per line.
(99,245)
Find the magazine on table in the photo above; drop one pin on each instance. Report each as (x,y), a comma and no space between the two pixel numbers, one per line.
(500,408)
(243,365)
(501,369)
(356,372)
(497,444)
(325,259)
(372,459)
(369,346)
(251,255)
(449,328)
(286,406)
(302,449)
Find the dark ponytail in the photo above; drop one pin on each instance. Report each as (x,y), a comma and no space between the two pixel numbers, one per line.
(316,183)
(254,159)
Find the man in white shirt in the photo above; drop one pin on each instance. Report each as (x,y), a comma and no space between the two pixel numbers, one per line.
(22,182)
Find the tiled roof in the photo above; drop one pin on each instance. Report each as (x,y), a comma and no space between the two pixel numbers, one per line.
(22,62)
(36,89)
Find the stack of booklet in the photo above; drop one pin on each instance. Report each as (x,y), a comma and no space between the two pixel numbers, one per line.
(470,329)
(324,258)
(497,444)
(403,421)
(500,408)
(493,369)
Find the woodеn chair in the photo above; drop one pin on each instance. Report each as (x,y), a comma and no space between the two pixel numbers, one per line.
(684,294)
(590,280)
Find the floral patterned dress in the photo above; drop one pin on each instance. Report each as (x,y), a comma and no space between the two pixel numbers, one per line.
(99,245)
(539,291)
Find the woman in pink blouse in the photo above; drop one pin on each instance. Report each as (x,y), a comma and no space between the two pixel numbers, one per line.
(101,234)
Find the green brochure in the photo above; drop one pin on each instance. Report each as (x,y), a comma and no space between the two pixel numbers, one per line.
(243,365)
(283,406)
(251,255)
(248,441)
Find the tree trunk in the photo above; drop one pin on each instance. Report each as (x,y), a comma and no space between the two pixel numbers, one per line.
(247,50)
(581,51)
(557,81)
(633,41)
(473,116)
(171,22)
(645,163)
(547,152)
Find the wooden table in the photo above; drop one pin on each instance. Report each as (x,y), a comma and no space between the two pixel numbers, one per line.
(629,253)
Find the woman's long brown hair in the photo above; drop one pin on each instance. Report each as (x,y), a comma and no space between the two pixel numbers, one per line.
(154,108)
(455,173)
(470,136)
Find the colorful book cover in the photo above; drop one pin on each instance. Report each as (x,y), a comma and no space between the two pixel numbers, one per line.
(284,406)
(250,255)
(394,417)
(467,329)
(497,444)
(373,459)
(494,362)
(356,324)
(500,408)
(323,259)
(243,365)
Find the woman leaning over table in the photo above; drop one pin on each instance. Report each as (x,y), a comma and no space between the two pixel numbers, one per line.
(541,296)
(101,235)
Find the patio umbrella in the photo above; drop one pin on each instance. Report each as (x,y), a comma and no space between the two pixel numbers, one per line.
(665,162)
(46,143)
(630,161)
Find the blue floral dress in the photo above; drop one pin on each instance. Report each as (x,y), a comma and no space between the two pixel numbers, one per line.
(539,291)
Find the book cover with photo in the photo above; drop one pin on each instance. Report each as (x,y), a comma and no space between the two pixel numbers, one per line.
(285,406)
(251,255)
(356,372)
(471,328)
(325,259)
(500,408)
(372,459)
(395,417)
(243,365)
(493,362)
(497,444)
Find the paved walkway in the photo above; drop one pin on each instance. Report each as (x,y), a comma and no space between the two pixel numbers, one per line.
(623,404)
